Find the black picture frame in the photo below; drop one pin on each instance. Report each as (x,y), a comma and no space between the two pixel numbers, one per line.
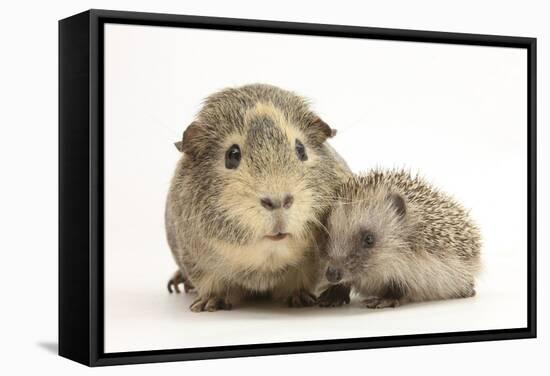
(81,186)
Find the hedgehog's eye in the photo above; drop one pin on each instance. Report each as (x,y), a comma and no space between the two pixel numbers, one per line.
(368,239)
(301,150)
(233,157)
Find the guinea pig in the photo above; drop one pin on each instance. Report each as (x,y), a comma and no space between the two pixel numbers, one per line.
(395,239)
(246,205)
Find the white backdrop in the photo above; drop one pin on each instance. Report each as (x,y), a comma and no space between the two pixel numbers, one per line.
(456,114)
(29,191)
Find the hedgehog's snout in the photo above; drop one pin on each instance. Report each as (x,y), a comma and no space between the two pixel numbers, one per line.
(334,275)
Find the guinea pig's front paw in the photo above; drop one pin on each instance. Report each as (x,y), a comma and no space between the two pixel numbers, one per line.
(335,296)
(210,304)
(301,298)
(177,279)
(377,302)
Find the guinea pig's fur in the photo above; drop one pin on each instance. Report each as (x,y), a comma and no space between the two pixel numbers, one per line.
(396,239)
(219,218)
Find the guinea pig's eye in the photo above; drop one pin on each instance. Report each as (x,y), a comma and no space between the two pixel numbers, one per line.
(233,157)
(301,150)
(368,239)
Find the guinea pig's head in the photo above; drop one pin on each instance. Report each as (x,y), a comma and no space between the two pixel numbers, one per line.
(369,231)
(259,173)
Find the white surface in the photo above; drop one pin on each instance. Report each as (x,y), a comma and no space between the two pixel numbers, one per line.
(456,114)
(29,118)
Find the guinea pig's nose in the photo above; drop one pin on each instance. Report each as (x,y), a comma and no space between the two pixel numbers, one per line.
(334,275)
(271,203)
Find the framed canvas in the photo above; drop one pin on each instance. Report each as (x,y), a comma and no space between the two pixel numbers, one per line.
(236,187)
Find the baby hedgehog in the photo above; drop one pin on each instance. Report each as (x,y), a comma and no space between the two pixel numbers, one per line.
(395,239)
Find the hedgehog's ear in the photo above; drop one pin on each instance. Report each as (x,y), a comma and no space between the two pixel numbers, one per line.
(398,203)
(190,136)
(319,131)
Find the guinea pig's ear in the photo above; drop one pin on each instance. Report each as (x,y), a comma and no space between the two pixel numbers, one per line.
(190,136)
(179,146)
(398,203)
(319,131)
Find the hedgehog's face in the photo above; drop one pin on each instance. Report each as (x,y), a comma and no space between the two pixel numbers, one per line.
(269,180)
(367,232)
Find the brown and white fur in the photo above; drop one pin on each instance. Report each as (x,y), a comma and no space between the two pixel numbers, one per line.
(396,239)
(251,226)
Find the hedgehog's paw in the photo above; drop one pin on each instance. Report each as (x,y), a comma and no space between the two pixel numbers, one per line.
(334,296)
(301,298)
(177,279)
(377,302)
(210,304)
